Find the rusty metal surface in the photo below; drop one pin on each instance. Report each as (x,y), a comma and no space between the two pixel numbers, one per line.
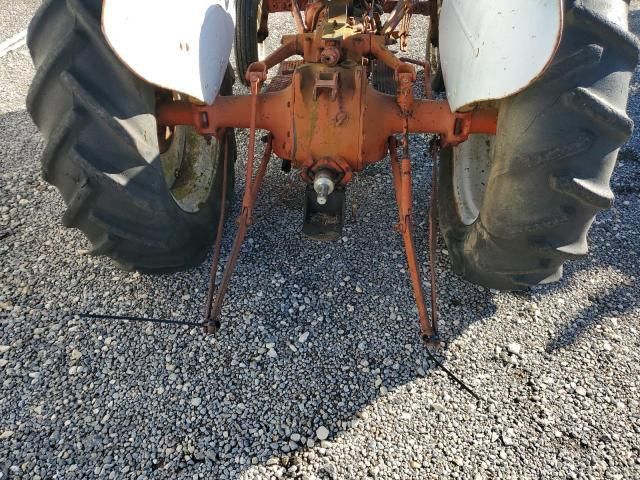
(323,115)
(433,233)
(297,17)
(273,6)
(402,183)
(283,78)
(350,124)
(216,293)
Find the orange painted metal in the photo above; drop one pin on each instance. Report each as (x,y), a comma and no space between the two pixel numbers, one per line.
(350,125)
(297,17)
(323,114)
(216,293)
(330,110)
(273,6)
(402,182)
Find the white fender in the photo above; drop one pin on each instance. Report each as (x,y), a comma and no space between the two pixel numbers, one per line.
(491,49)
(180,46)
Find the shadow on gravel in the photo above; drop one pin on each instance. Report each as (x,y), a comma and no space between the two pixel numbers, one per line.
(250,404)
(590,317)
(613,243)
(615,236)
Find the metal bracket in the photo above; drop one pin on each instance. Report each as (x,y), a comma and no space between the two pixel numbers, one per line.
(326,82)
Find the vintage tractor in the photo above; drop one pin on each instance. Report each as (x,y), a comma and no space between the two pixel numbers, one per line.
(134,100)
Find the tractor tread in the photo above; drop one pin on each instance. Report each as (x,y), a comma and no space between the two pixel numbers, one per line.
(78,204)
(98,120)
(598,110)
(559,144)
(575,63)
(590,193)
(626,43)
(105,245)
(60,143)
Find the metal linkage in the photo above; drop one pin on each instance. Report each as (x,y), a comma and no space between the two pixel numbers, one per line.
(433,229)
(402,182)
(328,120)
(216,293)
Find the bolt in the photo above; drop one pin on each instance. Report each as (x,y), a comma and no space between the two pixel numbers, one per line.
(324,185)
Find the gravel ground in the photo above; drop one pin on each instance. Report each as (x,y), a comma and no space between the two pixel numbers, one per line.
(15,15)
(318,371)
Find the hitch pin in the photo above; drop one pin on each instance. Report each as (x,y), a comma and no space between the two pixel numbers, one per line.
(324,185)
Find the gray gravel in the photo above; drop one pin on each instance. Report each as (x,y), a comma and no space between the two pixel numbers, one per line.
(317,371)
(15,15)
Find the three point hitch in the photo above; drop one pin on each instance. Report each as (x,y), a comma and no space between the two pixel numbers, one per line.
(325,119)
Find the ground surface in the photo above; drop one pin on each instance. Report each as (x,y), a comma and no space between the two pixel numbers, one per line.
(314,336)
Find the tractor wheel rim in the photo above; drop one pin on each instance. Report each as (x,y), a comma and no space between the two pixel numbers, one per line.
(189,166)
(471,166)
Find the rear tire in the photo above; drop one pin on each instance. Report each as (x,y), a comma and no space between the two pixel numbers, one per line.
(433,57)
(249,40)
(511,216)
(102,148)
(437,79)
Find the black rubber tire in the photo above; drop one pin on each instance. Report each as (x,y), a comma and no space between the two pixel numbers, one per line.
(437,79)
(433,57)
(246,41)
(102,148)
(555,150)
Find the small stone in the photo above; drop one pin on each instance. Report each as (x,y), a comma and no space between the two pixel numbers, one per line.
(272,353)
(322,433)
(329,469)
(359,289)
(75,354)
(295,437)
(414,464)
(514,348)
(438,407)
(6,434)
(4,348)
(196,401)
(303,337)
(581,391)
(3,362)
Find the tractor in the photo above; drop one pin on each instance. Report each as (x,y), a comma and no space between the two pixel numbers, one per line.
(525,101)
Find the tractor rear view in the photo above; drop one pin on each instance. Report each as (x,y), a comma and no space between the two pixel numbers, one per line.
(134,100)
